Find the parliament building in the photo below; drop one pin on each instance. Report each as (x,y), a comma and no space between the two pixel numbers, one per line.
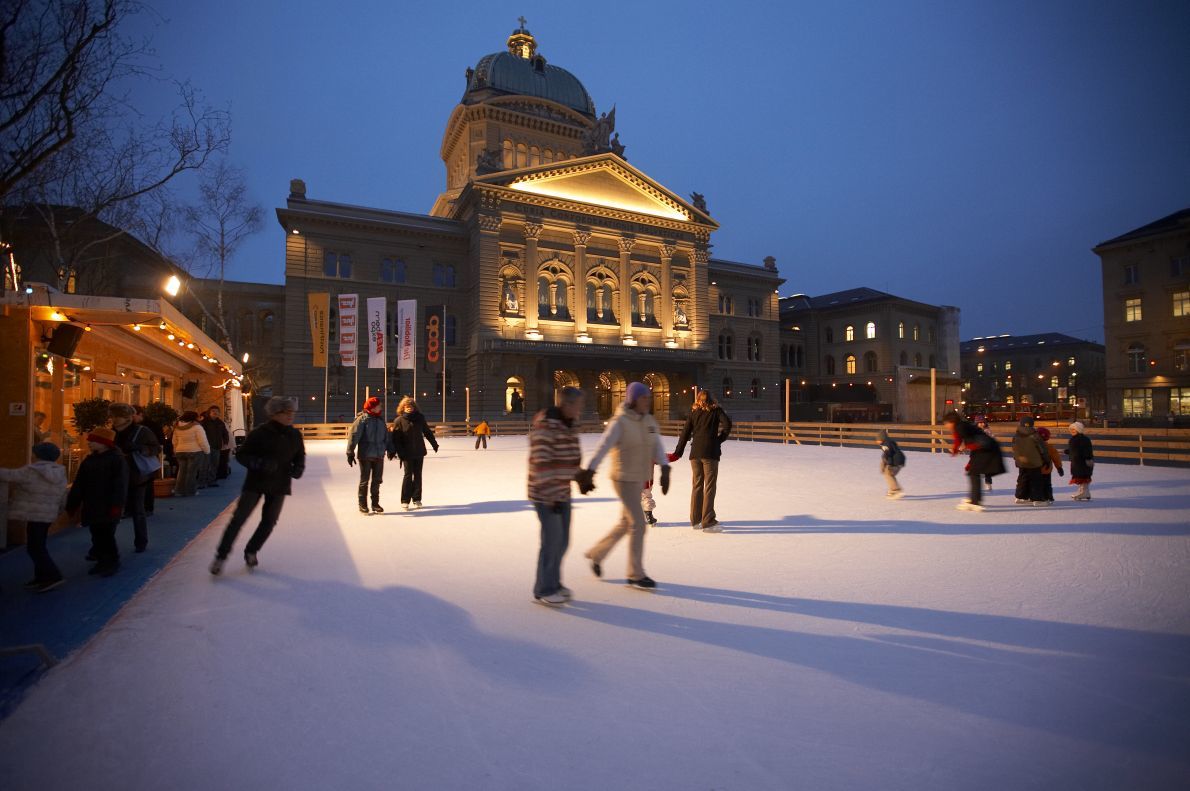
(558,262)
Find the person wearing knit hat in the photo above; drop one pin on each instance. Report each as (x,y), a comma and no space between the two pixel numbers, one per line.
(97,498)
(369,437)
(1030,457)
(633,441)
(1053,461)
(35,494)
(1082,461)
(191,450)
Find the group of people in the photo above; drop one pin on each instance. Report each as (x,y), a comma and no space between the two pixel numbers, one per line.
(200,447)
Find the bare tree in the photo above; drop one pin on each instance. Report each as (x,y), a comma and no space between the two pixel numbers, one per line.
(220,221)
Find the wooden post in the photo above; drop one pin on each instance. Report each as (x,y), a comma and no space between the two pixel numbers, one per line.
(933,407)
(785,431)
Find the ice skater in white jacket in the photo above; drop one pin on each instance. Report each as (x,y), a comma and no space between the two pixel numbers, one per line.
(633,441)
(36,494)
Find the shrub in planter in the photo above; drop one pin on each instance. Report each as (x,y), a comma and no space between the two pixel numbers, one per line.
(90,414)
(161,413)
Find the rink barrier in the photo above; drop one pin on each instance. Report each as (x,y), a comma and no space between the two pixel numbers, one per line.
(459,428)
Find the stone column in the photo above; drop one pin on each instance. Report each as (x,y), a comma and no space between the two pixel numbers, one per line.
(532,232)
(699,286)
(626,306)
(667,297)
(578,300)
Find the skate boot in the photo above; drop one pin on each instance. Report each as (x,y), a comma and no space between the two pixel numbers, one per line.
(216,566)
(644,584)
(363,507)
(376,509)
(250,560)
(417,503)
(649,518)
(404,506)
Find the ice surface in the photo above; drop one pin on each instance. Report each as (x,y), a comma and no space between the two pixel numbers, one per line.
(830,639)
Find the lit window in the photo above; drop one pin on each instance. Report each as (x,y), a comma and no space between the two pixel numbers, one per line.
(1181,303)
(1138,402)
(849,333)
(1132,309)
(916,332)
(870,331)
(1070,361)
(1007,384)
(979,367)
(1008,365)
(849,363)
(901,330)
(1054,381)
(1010,399)
(1179,401)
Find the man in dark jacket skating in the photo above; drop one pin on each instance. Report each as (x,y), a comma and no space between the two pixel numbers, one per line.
(986,459)
(407,441)
(369,442)
(274,455)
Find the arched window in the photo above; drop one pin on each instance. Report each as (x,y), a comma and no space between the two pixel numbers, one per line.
(916,332)
(268,324)
(547,156)
(534,156)
(917,359)
(830,365)
(930,334)
(509,156)
(901,330)
(870,365)
(247,328)
(830,335)
(728,390)
(849,333)
(933,363)
(904,358)
(870,330)
(1137,358)
(754,388)
(849,363)
(725,346)
(522,155)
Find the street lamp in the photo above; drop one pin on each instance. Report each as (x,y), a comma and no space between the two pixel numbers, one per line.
(173,285)
(245,358)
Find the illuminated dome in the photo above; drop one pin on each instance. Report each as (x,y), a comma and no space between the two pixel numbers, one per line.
(521,71)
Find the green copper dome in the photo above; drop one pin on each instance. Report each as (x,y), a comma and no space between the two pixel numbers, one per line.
(522,72)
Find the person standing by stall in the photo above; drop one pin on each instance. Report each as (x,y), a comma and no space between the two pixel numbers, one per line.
(141,453)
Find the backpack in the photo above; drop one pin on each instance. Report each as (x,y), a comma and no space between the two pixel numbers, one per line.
(898,456)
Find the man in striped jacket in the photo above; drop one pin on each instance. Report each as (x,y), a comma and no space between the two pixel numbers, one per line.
(554,459)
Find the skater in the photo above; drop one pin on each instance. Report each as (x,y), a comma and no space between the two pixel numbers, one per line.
(482,432)
(408,442)
(986,458)
(274,455)
(137,444)
(633,439)
(36,494)
(1053,462)
(1030,457)
(1082,461)
(707,428)
(892,461)
(554,459)
(191,449)
(369,435)
(97,498)
(982,424)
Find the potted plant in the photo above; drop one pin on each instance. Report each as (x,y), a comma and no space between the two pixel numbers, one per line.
(90,414)
(165,416)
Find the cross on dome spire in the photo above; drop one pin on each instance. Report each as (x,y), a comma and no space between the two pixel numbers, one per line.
(521,43)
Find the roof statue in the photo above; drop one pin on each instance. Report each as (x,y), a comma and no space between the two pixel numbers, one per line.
(700,202)
(488,161)
(599,138)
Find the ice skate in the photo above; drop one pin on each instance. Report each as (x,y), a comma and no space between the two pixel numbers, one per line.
(714,527)
(967,505)
(363,509)
(644,584)
(1042,503)
(987,486)
(553,600)
(377,509)
(404,506)
(417,504)
(1019,501)
(250,560)
(897,495)
(216,567)
(649,518)
(565,593)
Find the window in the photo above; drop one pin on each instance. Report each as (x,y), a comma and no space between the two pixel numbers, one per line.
(727,388)
(849,333)
(1138,402)
(904,358)
(1136,358)
(1007,384)
(1008,365)
(870,330)
(931,335)
(979,367)
(444,276)
(933,361)
(1010,399)
(755,307)
(336,265)
(849,363)
(725,304)
(509,156)
(754,389)
(268,323)
(392,270)
(870,362)
(1132,309)
(451,325)
(830,335)
(798,357)
(901,330)
(1181,355)
(1179,401)
(1179,267)
(1181,303)
(1131,274)
(917,360)
(830,365)
(1054,382)
(1070,361)
(725,344)
(754,348)
(995,365)
(916,332)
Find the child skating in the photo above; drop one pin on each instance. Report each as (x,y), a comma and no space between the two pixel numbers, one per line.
(1082,461)
(892,461)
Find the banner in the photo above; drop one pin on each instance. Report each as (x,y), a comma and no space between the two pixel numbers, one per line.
(377,320)
(348,329)
(435,336)
(407,333)
(319,305)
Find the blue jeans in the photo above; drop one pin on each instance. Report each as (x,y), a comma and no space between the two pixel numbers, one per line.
(555,538)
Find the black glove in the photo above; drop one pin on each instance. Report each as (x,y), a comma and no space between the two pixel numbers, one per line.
(296,471)
(1061,473)
(665,479)
(350,459)
(435,448)
(585,480)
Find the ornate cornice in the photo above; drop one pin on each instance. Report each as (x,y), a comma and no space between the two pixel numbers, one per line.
(490,222)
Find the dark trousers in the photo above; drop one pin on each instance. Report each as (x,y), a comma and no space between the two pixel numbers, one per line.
(481,438)
(975,487)
(136,509)
(1047,485)
(244,508)
(103,544)
(1030,484)
(150,496)
(702,491)
(555,538)
(370,470)
(44,569)
(411,483)
(224,470)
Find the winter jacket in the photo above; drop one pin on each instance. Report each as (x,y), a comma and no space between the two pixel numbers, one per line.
(633,441)
(891,454)
(706,430)
(1082,458)
(190,438)
(369,436)
(36,492)
(99,489)
(274,454)
(1027,449)
(409,434)
(217,436)
(1053,459)
(483,429)
(554,456)
(986,456)
(135,438)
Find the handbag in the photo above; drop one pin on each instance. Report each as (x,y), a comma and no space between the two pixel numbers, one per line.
(146,466)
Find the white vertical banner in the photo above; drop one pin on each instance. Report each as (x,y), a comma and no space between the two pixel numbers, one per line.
(407,334)
(348,330)
(377,318)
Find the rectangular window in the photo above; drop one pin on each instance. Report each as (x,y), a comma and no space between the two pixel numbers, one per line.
(1138,402)
(1179,267)
(1054,382)
(1179,401)
(1132,309)
(1070,361)
(1181,303)
(336,265)
(1131,274)
(1008,365)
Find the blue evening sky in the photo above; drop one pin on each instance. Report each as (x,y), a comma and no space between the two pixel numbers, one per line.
(964,153)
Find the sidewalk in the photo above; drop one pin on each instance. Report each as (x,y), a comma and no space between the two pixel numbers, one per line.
(65,619)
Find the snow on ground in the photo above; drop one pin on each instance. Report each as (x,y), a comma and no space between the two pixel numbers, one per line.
(830,639)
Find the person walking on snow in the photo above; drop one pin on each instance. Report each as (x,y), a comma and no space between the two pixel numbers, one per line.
(986,459)
(482,432)
(408,442)
(97,498)
(369,436)
(707,428)
(191,449)
(892,460)
(274,455)
(1030,457)
(36,494)
(633,440)
(554,459)
(1082,461)
(1053,461)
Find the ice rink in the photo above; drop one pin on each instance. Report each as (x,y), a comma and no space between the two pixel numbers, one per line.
(829,639)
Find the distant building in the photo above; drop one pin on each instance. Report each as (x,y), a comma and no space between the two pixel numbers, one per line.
(1146,322)
(865,355)
(1033,369)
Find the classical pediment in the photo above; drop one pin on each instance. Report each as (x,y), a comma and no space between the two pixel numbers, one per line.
(602,180)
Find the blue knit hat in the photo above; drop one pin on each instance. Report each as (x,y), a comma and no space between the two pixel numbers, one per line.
(635,391)
(46,451)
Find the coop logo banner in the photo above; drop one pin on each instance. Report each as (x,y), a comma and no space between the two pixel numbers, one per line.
(407,334)
(377,320)
(348,329)
(435,318)
(319,306)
